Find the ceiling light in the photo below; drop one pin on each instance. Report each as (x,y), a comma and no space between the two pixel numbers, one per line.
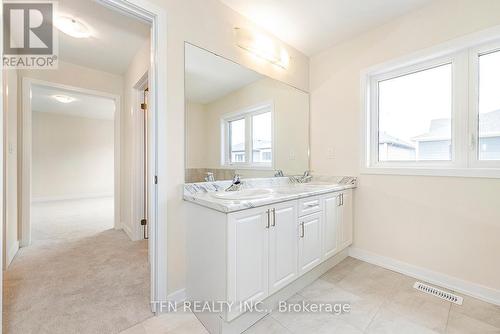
(262,46)
(63,98)
(72,27)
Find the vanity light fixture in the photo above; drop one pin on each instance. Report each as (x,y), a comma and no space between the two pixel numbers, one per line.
(262,46)
(72,27)
(63,98)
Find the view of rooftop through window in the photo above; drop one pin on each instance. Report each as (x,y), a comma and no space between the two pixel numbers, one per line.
(489,107)
(237,140)
(261,137)
(415,116)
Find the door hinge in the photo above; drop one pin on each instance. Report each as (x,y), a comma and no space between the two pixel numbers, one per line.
(156,179)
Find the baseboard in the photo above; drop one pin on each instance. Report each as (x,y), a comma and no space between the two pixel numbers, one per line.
(128,231)
(41,199)
(478,291)
(177,296)
(11,253)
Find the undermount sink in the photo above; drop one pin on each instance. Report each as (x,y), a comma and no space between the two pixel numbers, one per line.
(245,194)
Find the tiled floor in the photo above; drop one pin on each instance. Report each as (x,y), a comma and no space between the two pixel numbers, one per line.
(382,302)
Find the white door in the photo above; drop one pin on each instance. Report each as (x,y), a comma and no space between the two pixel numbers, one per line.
(282,245)
(309,242)
(331,227)
(345,217)
(248,242)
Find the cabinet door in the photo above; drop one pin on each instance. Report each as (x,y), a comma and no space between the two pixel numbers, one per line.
(282,245)
(331,207)
(248,242)
(346,219)
(309,242)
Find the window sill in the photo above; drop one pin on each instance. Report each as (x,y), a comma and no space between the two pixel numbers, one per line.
(491,173)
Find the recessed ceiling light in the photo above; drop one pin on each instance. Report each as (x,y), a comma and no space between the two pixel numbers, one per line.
(72,27)
(63,98)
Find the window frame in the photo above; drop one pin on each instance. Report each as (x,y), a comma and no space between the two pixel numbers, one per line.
(246,114)
(464,162)
(474,54)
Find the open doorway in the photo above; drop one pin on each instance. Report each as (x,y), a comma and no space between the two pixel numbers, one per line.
(84,261)
(74,146)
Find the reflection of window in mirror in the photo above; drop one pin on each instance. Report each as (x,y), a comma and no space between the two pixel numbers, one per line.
(248,139)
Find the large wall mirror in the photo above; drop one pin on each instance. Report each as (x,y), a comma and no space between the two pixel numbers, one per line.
(241,122)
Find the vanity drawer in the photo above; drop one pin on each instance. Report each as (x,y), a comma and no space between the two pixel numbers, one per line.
(309,205)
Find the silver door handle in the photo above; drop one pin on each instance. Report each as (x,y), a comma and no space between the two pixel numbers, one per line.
(274,218)
(302,230)
(268,218)
(342,198)
(311,205)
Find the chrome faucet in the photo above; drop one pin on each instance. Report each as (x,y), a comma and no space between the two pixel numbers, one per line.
(279,173)
(210,177)
(236,185)
(306,177)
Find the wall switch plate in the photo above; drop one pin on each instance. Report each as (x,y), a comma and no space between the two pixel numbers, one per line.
(330,154)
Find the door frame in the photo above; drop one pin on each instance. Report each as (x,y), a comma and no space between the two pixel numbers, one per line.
(26,150)
(138,154)
(156,16)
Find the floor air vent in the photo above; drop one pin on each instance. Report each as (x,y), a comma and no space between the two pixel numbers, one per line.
(438,293)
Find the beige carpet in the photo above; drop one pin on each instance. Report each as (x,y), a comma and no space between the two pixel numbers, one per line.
(78,276)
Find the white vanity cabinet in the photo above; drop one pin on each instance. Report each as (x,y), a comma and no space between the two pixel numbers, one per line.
(250,255)
(310,233)
(282,245)
(337,223)
(261,252)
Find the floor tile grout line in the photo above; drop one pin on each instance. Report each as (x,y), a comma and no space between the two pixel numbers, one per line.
(282,324)
(447,319)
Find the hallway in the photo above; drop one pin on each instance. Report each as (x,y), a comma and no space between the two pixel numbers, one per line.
(79,275)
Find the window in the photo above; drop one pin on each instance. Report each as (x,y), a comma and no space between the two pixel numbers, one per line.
(415,116)
(440,116)
(489,107)
(237,140)
(247,139)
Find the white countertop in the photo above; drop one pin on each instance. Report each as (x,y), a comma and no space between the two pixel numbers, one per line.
(279,190)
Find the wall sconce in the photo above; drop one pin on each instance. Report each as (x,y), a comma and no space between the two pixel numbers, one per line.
(262,46)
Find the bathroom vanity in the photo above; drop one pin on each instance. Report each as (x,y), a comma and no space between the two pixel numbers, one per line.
(269,237)
(262,243)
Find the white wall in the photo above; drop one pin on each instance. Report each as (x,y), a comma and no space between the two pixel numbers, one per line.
(208,24)
(72,157)
(448,225)
(197,131)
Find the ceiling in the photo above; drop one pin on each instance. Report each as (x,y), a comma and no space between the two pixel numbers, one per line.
(116,37)
(88,106)
(314,26)
(210,77)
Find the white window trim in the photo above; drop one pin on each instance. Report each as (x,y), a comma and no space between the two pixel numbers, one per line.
(462,53)
(246,114)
